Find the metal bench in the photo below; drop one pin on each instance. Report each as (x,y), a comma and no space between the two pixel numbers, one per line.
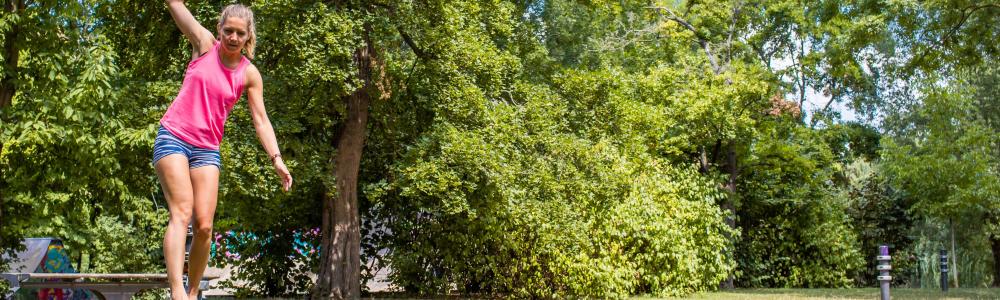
(111,286)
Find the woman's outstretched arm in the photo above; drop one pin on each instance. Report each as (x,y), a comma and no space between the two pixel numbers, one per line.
(265,132)
(199,37)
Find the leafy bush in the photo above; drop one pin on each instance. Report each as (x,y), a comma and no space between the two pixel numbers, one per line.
(879,216)
(523,207)
(796,233)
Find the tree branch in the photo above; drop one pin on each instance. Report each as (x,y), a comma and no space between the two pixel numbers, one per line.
(399,28)
(732,29)
(802,80)
(409,42)
(702,40)
(833,97)
(946,39)
(967,12)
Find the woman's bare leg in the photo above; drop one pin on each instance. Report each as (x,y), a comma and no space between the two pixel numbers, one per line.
(205,183)
(175,179)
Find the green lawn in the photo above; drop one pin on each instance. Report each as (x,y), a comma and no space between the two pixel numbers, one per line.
(868,294)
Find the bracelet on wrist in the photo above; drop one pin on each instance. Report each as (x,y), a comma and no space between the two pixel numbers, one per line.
(275,156)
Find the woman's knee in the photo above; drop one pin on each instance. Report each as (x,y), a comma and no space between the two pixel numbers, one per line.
(180,217)
(203,227)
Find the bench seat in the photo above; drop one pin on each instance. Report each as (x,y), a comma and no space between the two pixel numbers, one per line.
(113,286)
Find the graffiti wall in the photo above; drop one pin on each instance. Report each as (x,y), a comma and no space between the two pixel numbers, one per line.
(53,260)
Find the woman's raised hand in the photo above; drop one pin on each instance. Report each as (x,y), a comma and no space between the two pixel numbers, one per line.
(286,177)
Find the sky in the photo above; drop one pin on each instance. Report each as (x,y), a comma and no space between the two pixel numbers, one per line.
(815,100)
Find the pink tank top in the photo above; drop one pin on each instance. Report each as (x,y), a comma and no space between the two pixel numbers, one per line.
(207,95)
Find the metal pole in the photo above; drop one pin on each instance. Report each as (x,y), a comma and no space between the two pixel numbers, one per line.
(884,267)
(944,270)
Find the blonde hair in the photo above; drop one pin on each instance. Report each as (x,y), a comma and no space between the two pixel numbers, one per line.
(241,11)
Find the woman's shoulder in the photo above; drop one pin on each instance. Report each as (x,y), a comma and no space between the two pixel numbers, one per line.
(252,74)
(251,69)
(201,52)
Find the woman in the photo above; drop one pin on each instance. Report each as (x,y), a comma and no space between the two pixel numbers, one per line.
(186,152)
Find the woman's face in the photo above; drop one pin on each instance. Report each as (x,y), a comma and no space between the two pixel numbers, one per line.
(233,35)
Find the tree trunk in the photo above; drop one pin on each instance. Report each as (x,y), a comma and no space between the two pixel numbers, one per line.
(340,259)
(802,80)
(727,205)
(954,255)
(10,54)
(995,245)
(7,87)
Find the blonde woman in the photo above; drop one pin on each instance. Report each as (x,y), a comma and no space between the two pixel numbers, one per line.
(186,152)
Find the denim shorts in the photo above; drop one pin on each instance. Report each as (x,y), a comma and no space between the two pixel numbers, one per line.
(167,144)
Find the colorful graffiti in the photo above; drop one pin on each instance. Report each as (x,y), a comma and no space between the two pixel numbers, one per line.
(227,244)
(56,260)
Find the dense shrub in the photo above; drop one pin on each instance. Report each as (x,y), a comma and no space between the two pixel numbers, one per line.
(796,233)
(525,207)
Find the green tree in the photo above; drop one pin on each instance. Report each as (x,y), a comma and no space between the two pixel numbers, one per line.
(487,154)
(947,161)
(709,68)
(69,142)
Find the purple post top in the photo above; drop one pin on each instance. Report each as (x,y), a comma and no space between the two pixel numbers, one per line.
(883,250)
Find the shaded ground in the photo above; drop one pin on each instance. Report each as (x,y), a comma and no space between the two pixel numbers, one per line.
(867,294)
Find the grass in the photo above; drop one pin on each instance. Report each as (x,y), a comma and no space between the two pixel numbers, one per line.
(866,293)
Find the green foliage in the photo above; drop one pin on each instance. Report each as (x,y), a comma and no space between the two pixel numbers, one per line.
(946,163)
(73,149)
(880,217)
(796,232)
(972,258)
(542,149)
(4,287)
(123,255)
(256,255)
(525,207)
(853,141)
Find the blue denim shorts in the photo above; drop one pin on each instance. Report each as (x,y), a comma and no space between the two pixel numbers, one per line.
(167,144)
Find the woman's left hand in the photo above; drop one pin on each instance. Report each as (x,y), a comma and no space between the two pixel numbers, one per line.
(286,177)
